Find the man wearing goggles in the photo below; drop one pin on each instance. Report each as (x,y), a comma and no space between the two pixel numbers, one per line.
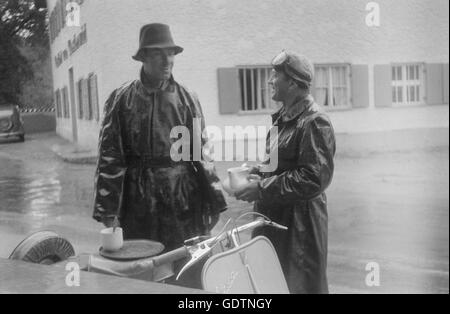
(293,195)
(297,67)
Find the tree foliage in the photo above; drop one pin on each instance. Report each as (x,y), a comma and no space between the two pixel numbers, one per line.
(24,21)
(38,90)
(23,25)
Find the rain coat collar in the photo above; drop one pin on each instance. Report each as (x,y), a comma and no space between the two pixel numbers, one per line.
(293,111)
(167,86)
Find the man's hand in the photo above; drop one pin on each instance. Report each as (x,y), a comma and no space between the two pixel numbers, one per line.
(249,192)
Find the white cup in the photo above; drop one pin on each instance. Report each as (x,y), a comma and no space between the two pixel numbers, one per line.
(238,177)
(112,240)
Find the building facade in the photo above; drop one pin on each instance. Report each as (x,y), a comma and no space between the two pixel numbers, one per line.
(379,66)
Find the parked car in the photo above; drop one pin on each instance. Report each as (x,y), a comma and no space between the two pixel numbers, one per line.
(11,124)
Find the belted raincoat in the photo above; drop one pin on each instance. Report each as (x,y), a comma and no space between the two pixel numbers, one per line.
(155,195)
(293,195)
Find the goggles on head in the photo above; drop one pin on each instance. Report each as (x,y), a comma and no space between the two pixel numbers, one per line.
(280,59)
(282,62)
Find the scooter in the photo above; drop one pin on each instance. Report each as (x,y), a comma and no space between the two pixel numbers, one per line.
(231,266)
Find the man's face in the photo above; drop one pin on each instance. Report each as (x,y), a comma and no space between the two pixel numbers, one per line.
(280,84)
(158,63)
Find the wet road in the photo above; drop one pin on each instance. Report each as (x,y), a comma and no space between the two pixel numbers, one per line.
(392,209)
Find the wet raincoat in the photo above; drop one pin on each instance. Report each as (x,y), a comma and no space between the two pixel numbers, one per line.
(136,179)
(293,195)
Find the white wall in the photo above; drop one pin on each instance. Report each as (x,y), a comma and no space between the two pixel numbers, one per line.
(226,33)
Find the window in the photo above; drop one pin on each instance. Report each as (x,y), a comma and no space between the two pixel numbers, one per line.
(332,85)
(246,88)
(65,99)
(407,84)
(58,103)
(255,93)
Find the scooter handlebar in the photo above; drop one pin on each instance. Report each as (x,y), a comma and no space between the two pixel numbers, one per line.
(275,225)
(186,251)
(171,256)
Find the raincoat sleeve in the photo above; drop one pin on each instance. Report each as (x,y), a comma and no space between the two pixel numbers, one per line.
(206,149)
(314,169)
(209,179)
(110,173)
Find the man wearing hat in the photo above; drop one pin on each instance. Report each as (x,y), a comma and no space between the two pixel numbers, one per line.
(293,195)
(137,180)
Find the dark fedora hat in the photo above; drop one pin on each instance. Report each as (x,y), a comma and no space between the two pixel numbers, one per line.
(155,35)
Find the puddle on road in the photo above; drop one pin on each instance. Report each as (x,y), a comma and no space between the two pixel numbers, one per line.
(44,187)
(45,194)
(28,190)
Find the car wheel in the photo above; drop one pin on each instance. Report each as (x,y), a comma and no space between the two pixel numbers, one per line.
(22,138)
(43,247)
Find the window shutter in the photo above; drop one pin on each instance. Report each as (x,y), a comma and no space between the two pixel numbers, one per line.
(90,96)
(66,103)
(79,103)
(445,83)
(58,104)
(63,105)
(360,85)
(55,102)
(85,99)
(434,84)
(61,101)
(95,98)
(383,85)
(229,90)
